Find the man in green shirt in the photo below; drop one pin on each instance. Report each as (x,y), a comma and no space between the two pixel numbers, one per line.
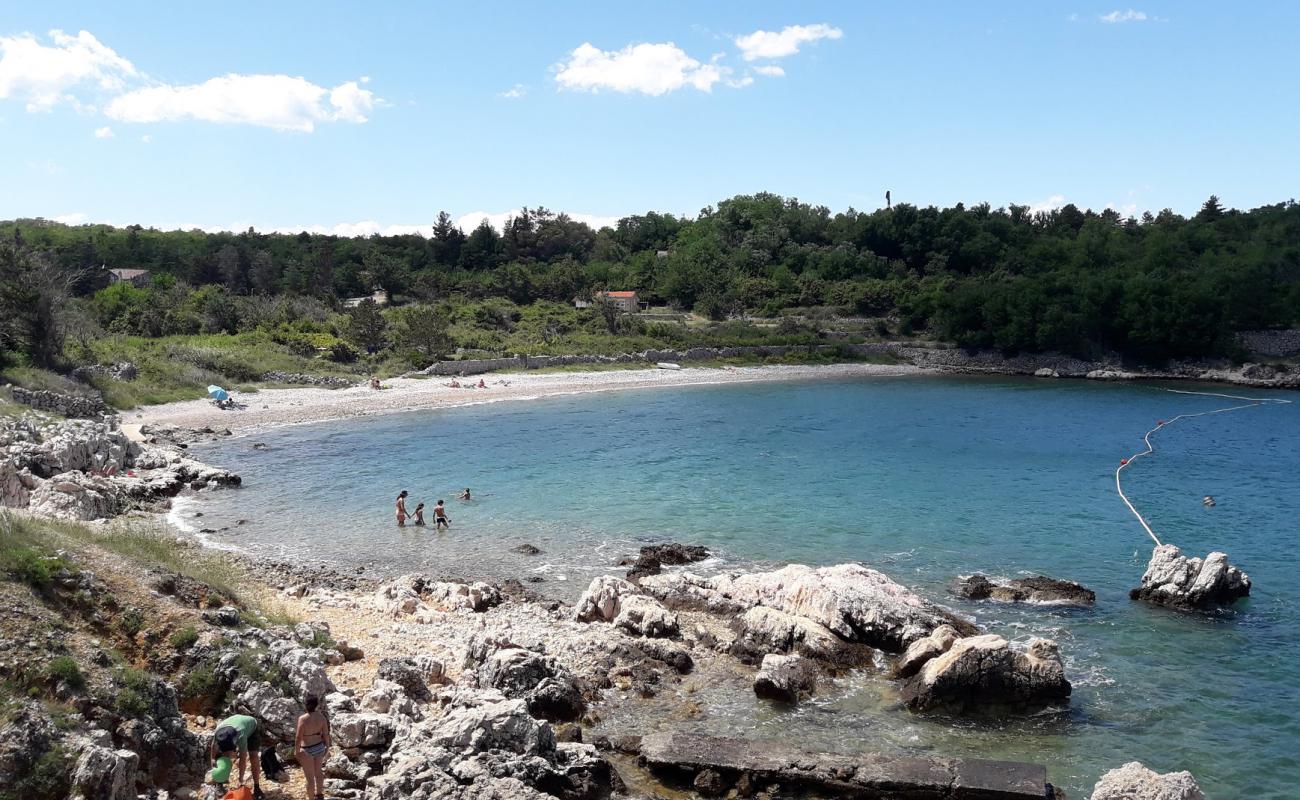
(236,734)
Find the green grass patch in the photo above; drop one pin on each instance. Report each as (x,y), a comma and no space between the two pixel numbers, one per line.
(184,638)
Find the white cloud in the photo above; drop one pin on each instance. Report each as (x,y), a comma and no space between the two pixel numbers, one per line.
(280,102)
(44,74)
(470,221)
(786,42)
(1072,18)
(1050,204)
(1124,16)
(652,69)
(770,70)
(104,133)
(71,219)
(1125,210)
(146,138)
(514,92)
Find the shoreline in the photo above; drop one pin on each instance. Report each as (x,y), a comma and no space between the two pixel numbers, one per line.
(277,408)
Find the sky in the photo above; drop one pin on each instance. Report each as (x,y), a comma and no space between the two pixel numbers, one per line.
(360,118)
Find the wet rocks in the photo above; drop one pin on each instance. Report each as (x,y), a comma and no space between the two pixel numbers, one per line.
(653,557)
(1172,579)
(1035,589)
(762,630)
(858,604)
(922,650)
(1133,781)
(527,550)
(785,678)
(985,673)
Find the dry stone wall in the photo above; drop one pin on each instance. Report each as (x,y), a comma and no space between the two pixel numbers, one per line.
(69,405)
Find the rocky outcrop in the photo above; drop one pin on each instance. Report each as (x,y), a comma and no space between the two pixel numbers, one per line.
(855,603)
(548,689)
(121,371)
(762,630)
(1133,781)
(1036,589)
(418,596)
(984,673)
(922,650)
(84,470)
(102,773)
(1175,580)
(718,765)
(610,599)
(785,678)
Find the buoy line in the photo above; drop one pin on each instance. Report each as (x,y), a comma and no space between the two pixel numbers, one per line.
(1125,463)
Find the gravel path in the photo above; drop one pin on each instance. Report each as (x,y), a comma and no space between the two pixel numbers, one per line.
(273,408)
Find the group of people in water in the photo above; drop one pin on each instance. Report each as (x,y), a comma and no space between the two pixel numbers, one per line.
(440,518)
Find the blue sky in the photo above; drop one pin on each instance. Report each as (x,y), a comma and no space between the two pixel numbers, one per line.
(340,117)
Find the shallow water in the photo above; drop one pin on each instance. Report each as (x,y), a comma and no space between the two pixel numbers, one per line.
(922,477)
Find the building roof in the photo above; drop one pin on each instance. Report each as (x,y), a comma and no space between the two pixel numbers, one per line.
(619,294)
(128,274)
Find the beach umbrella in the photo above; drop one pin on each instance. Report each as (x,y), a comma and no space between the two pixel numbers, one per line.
(218,394)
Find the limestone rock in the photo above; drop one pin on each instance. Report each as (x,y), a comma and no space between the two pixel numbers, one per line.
(362,730)
(105,774)
(407,674)
(1036,589)
(601,600)
(785,678)
(1173,579)
(645,616)
(761,630)
(547,687)
(922,650)
(856,603)
(1133,781)
(985,672)
(278,715)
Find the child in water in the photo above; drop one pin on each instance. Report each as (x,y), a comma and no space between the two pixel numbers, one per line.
(419,514)
(440,516)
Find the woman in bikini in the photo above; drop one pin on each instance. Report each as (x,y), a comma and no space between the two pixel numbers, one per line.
(401,510)
(310,743)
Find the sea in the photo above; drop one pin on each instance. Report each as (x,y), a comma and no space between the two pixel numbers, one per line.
(925,478)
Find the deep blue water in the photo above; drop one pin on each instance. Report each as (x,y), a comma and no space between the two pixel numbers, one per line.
(922,477)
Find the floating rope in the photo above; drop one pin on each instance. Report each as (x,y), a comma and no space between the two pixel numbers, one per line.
(1125,463)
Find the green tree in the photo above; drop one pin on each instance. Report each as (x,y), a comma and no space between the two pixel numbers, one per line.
(366,327)
(420,333)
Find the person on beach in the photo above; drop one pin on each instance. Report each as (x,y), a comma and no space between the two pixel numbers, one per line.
(419,515)
(464,495)
(401,510)
(455,384)
(374,382)
(235,735)
(481,384)
(440,516)
(310,743)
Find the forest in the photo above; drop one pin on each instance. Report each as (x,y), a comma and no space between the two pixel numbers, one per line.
(1068,280)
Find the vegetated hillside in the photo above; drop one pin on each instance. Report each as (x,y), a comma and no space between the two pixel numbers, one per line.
(1067,280)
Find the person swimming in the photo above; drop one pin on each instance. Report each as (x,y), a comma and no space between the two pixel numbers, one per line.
(1208,502)
(464,495)
(419,515)
(440,516)
(401,510)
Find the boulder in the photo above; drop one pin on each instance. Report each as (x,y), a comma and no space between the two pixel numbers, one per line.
(1172,579)
(615,600)
(277,714)
(601,600)
(922,650)
(854,602)
(104,774)
(407,674)
(985,673)
(653,557)
(1035,589)
(1133,781)
(785,678)
(76,496)
(303,668)
(548,688)
(362,730)
(762,630)
(413,594)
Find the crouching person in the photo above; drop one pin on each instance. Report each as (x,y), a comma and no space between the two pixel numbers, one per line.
(234,737)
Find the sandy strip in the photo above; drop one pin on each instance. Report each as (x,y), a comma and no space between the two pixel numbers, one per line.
(273,408)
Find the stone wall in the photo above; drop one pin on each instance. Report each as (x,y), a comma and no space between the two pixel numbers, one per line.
(1275,344)
(122,371)
(328,381)
(69,405)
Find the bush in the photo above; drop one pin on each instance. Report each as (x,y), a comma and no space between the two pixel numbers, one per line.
(132,622)
(64,669)
(184,638)
(133,699)
(203,684)
(47,780)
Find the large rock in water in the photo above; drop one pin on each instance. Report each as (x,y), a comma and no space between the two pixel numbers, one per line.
(1172,579)
(854,602)
(1036,589)
(985,673)
(785,678)
(1135,782)
(610,599)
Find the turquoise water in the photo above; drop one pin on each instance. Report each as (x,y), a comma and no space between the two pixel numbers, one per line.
(922,477)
